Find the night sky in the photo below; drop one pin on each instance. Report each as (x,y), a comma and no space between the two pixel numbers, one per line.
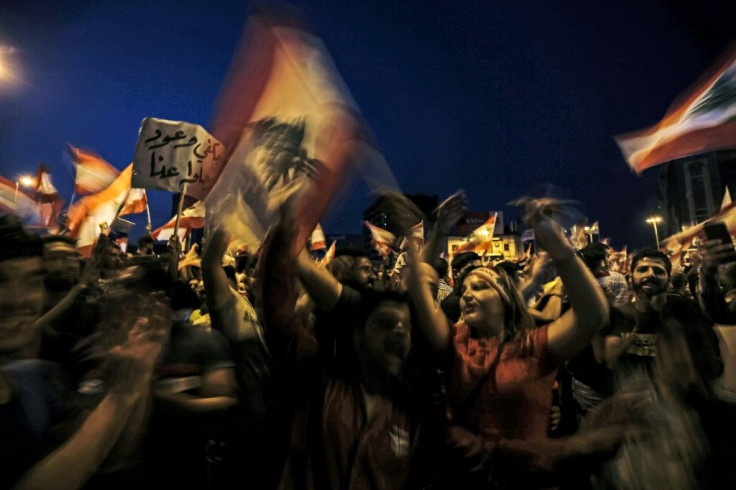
(494,97)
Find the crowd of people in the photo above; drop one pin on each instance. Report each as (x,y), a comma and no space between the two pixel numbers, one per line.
(263,370)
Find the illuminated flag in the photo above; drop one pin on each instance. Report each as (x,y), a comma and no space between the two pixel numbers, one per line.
(481,239)
(286,121)
(48,198)
(135,203)
(191,218)
(328,256)
(318,240)
(703,119)
(93,173)
(381,239)
(416,233)
(679,242)
(87,214)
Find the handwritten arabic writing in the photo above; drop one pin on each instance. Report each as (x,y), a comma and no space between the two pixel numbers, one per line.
(170,154)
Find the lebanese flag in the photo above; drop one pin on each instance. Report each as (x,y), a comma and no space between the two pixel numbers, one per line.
(416,233)
(93,173)
(191,218)
(96,212)
(135,203)
(328,256)
(318,240)
(286,120)
(481,239)
(381,239)
(679,242)
(703,119)
(48,198)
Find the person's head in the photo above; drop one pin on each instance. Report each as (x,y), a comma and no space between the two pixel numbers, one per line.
(113,258)
(678,283)
(650,272)
(491,305)
(382,338)
(61,261)
(463,262)
(362,275)
(595,256)
(441,267)
(512,269)
(145,245)
(22,288)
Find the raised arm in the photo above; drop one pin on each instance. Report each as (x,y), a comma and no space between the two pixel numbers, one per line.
(448,214)
(322,286)
(588,305)
(432,325)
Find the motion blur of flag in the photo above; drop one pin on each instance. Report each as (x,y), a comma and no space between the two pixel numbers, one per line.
(318,240)
(48,200)
(135,203)
(703,119)
(481,239)
(382,240)
(416,233)
(13,200)
(676,244)
(93,173)
(191,218)
(286,120)
(88,214)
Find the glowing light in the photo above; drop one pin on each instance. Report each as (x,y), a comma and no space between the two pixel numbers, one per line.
(26,181)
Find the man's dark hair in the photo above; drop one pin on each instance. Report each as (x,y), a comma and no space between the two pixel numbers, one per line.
(462,258)
(650,253)
(145,240)
(15,241)
(370,299)
(354,252)
(441,266)
(593,253)
(60,239)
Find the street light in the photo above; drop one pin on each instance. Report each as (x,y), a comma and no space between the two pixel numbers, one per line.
(654,220)
(25,181)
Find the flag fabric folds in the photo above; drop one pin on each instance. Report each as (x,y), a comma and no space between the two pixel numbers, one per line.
(93,173)
(701,120)
(88,214)
(286,121)
(135,203)
(381,239)
(47,198)
(481,239)
(191,218)
(318,240)
(329,255)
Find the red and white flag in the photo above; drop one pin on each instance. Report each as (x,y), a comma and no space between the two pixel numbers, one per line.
(318,240)
(416,233)
(96,212)
(286,120)
(382,240)
(47,197)
(135,203)
(93,173)
(703,119)
(481,239)
(191,218)
(13,200)
(329,255)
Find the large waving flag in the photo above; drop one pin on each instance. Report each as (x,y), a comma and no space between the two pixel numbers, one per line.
(135,203)
(191,218)
(97,211)
(382,240)
(93,173)
(703,119)
(284,116)
(481,239)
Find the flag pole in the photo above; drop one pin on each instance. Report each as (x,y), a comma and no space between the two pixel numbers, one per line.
(182,188)
(74,194)
(148,213)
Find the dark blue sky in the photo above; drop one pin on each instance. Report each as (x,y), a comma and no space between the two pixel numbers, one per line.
(494,97)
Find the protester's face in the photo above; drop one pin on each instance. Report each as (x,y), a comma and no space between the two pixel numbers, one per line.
(386,338)
(650,277)
(22,296)
(364,275)
(61,261)
(113,258)
(480,302)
